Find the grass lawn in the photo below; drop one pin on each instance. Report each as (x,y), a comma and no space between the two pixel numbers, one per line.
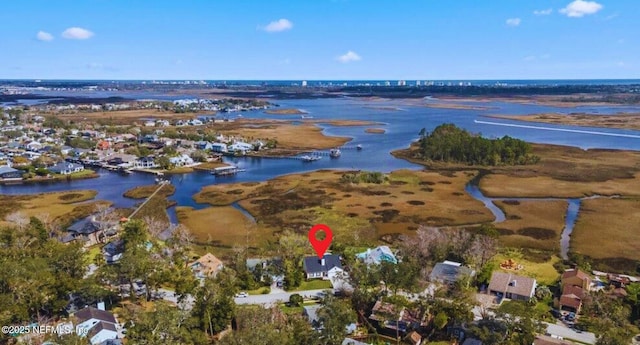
(543,272)
(259,291)
(90,254)
(315,284)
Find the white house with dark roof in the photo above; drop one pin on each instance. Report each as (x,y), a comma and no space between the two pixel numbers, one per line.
(97,324)
(315,267)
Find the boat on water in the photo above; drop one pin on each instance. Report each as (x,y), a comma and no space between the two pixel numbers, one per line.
(306,116)
(358,147)
(335,153)
(307,158)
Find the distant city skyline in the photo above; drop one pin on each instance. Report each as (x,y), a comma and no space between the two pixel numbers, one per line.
(320,40)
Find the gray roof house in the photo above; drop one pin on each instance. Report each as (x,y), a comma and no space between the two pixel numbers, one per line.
(512,286)
(449,272)
(96,324)
(319,268)
(311,313)
(9,173)
(66,168)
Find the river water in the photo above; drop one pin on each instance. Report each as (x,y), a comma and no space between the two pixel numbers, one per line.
(402,122)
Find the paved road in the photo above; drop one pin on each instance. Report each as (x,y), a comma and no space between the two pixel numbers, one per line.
(271,299)
(567,333)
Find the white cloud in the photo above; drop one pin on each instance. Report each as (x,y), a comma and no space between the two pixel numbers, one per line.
(546,12)
(539,57)
(350,56)
(278,25)
(514,21)
(44,36)
(580,8)
(95,65)
(76,33)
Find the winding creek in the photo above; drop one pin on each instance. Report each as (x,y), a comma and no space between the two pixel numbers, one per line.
(401,128)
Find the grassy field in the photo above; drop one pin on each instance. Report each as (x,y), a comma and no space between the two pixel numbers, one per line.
(356,211)
(606,230)
(375,130)
(542,186)
(219,226)
(532,224)
(620,120)
(141,192)
(155,208)
(61,207)
(602,232)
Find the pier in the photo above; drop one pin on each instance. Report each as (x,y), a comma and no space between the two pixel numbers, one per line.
(224,171)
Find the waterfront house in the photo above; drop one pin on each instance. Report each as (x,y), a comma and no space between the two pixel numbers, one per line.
(219,147)
(377,255)
(181,160)
(206,266)
(66,168)
(150,123)
(449,272)
(96,324)
(203,145)
(240,147)
(145,163)
(576,277)
(315,267)
(8,173)
(512,286)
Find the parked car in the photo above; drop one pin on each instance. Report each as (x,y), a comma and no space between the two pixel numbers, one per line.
(571,316)
(242,295)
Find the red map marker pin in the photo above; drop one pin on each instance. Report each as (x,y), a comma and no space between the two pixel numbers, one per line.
(320,246)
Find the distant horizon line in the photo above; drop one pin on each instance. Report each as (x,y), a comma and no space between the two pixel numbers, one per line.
(321,80)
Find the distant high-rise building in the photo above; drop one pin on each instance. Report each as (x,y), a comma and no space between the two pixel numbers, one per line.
(387,83)
(402,83)
(304,83)
(417,82)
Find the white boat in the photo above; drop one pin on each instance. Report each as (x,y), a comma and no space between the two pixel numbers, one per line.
(306,116)
(335,153)
(307,158)
(359,147)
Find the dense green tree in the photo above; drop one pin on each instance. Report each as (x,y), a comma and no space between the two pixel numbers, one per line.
(452,144)
(214,306)
(334,316)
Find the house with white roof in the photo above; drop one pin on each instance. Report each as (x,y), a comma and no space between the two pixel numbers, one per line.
(181,160)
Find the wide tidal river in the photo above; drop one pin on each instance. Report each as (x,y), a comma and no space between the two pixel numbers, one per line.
(402,122)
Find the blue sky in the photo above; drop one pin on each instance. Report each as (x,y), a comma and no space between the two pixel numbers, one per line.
(320,39)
